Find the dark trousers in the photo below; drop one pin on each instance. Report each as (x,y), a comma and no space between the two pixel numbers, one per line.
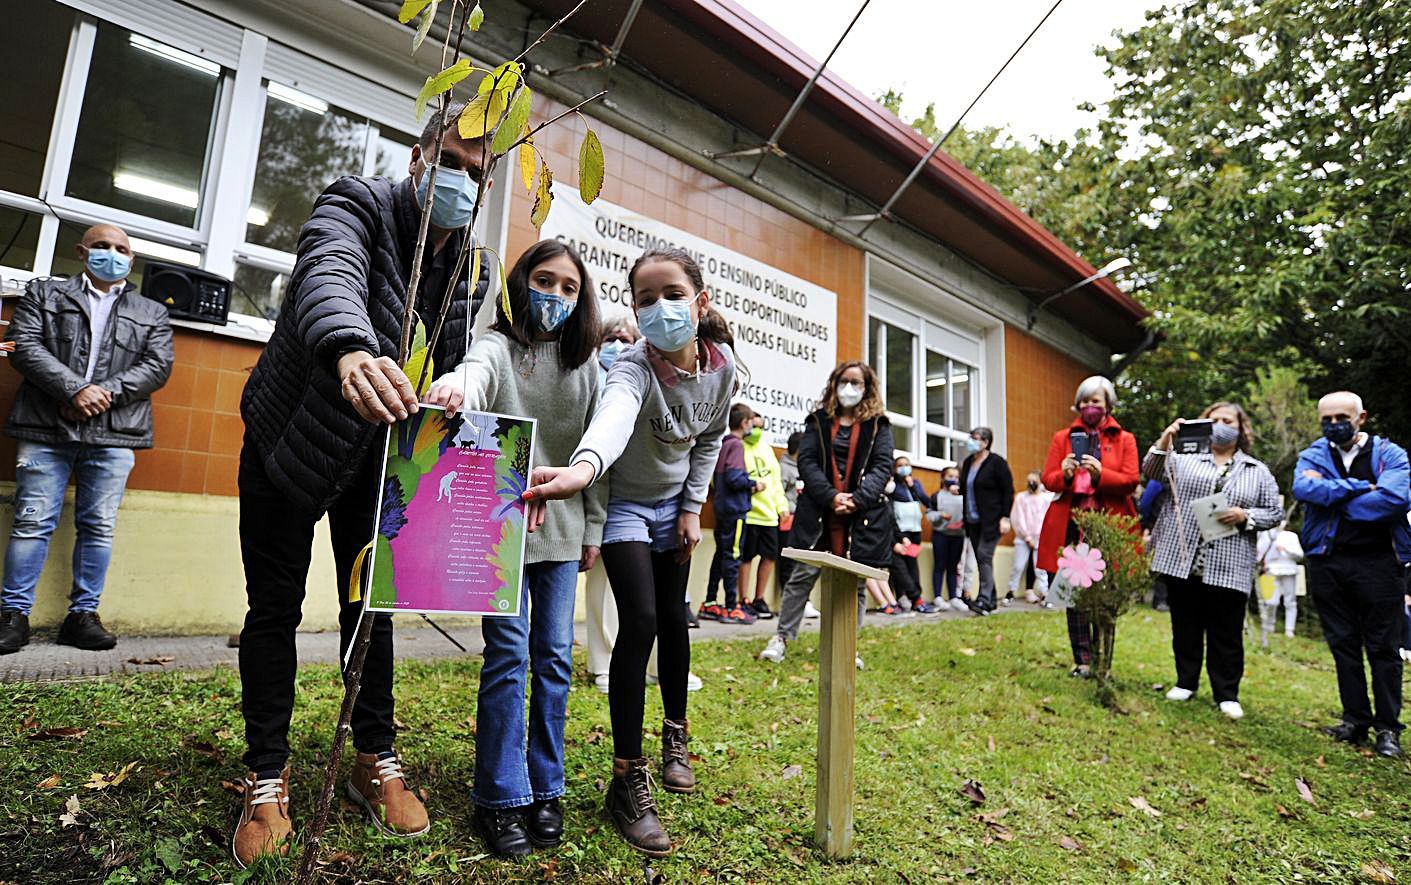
(1080,637)
(984,541)
(276,545)
(906,577)
(725,565)
(1207,622)
(785,566)
(1359,599)
(947,551)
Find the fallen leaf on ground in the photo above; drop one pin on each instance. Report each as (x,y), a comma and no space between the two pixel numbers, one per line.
(1378,872)
(163,660)
(992,743)
(1199,804)
(233,787)
(59,734)
(1320,762)
(968,652)
(205,748)
(1070,843)
(724,800)
(1304,791)
(71,811)
(1001,833)
(971,790)
(550,869)
(1283,812)
(792,771)
(99,781)
(48,783)
(1365,814)
(1126,865)
(992,817)
(1140,804)
(341,858)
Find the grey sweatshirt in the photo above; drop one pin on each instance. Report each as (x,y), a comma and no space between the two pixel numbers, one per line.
(659,438)
(502,376)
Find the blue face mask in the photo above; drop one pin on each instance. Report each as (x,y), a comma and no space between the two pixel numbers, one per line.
(108,265)
(667,325)
(454,200)
(1339,433)
(973,445)
(550,310)
(904,470)
(608,354)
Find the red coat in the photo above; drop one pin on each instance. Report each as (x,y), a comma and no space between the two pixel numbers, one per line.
(1120,472)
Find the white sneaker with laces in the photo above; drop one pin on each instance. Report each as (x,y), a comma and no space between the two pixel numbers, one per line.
(809,611)
(601,683)
(1232,709)
(1179,694)
(693,682)
(774,651)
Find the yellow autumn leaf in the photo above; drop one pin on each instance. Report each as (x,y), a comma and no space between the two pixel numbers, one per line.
(590,167)
(441,82)
(527,164)
(543,197)
(410,8)
(99,781)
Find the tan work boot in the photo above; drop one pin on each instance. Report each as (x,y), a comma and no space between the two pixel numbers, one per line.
(633,810)
(676,773)
(264,826)
(380,786)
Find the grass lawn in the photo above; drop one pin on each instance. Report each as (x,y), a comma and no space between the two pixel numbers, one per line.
(1159,792)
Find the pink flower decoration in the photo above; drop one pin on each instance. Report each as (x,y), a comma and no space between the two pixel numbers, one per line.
(1082,566)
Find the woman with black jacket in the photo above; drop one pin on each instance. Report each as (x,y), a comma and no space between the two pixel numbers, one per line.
(987,489)
(845,461)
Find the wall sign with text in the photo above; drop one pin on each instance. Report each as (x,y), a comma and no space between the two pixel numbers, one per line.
(786,329)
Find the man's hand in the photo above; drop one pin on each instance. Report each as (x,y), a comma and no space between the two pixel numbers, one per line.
(1233,516)
(688,531)
(843,503)
(376,387)
(589,558)
(92,401)
(69,413)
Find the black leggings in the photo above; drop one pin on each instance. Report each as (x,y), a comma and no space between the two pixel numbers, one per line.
(650,589)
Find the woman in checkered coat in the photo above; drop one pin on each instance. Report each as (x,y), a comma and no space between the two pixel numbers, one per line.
(1208,582)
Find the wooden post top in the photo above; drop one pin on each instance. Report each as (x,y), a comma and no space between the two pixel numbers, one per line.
(829,560)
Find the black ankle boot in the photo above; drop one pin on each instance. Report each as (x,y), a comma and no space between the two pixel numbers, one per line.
(85,630)
(544,823)
(14,631)
(676,773)
(502,830)
(633,811)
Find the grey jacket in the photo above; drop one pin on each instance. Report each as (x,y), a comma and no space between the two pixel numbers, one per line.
(50,329)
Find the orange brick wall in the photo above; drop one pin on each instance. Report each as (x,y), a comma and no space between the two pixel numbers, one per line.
(1038,400)
(196,417)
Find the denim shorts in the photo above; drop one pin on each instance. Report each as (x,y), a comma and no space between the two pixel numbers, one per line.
(653,524)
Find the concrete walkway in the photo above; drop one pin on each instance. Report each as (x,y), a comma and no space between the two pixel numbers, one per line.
(43,661)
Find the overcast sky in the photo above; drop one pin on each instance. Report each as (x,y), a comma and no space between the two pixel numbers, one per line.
(944,51)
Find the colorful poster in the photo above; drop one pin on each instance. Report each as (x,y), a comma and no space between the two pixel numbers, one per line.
(450,534)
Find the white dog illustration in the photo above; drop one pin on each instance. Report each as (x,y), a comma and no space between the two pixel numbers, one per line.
(444,492)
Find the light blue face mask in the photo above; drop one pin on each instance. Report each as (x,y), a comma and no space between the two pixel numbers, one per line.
(668,324)
(550,310)
(108,265)
(608,354)
(454,200)
(973,445)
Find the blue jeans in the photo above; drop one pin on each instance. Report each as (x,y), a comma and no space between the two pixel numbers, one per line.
(41,473)
(508,772)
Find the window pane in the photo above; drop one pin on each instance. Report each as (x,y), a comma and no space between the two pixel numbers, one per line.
(19,238)
(936,386)
(145,131)
(901,438)
(899,370)
(962,379)
(258,292)
(938,447)
(874,345)
(66,262)
(394,152)
(34,68)
(304,146)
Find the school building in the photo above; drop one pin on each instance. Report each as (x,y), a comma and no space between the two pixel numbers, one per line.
(205,128)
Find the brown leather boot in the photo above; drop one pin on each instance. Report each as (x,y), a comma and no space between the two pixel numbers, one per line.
(633,811)
(264,826)
(379,786)
(676,773)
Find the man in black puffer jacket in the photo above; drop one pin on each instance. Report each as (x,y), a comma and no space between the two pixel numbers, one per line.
(316,409)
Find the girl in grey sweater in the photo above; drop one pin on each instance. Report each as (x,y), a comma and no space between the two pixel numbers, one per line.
(539,364)
(656,434)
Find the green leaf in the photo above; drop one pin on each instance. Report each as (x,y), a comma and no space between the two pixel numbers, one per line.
(168,851)
(491,101)
(442,82)
(543,197)
(505,295)
(527,164)
(515,121)
(410,8)
(477,18)
(424,27)
(590,167)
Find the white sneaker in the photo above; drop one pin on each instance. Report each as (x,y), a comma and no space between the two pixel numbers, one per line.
(809,611)
(1179,694)
(774,651)
(859,662)
(601,683)
(693,682)
(1232,709)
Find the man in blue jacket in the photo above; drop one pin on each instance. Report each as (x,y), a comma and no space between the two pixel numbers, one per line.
(1356,490)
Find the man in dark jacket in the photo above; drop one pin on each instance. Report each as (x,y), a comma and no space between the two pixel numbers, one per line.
(316,409)
(1355,490)
(92,351)
(987,489)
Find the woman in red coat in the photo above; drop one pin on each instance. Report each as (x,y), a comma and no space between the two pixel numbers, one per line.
(1102,479)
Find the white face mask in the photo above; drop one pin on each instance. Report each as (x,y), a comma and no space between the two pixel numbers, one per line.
(849,395)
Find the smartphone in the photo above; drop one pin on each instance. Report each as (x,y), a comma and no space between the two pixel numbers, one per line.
(1193,437)
(1078,439)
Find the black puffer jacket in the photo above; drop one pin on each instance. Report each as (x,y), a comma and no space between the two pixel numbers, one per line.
(870,531)
(348,292)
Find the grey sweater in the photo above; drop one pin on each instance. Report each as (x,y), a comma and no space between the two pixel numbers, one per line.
(499,375)
(660,438)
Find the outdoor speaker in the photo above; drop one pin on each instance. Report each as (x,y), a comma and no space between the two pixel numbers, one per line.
(188,293)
